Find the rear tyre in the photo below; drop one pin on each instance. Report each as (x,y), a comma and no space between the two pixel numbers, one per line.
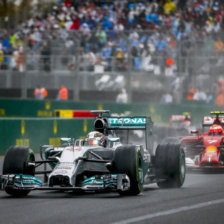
(15,162)
(170,165)
(128,160)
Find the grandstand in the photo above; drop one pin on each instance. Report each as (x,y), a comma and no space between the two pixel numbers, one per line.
(96,48)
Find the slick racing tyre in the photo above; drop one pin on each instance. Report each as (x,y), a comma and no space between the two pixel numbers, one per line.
(170,165)
(15,162)
(128,160)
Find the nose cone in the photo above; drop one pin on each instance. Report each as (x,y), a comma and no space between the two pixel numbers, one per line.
(210,157)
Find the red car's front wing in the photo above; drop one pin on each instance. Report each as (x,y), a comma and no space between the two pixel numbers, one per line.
(206,169)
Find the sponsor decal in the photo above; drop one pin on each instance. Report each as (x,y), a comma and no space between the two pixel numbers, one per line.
(210,150)
(127,121)
(23,141)
(74,148)
(70,149)
(78,148)
(44,113)
(212,141)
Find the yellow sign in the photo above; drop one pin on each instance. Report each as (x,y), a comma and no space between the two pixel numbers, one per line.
(63,113)
(47,105)
(44,113)
(85,126)
(2,112)
(24,142)
(100,107)
(22,127)
(55,128)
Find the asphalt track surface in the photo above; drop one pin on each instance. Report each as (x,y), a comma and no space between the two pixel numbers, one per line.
(200,200)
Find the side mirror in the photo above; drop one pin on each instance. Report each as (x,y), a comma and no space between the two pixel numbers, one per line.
(66,140)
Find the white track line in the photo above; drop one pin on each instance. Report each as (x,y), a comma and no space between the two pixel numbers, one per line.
(170,212)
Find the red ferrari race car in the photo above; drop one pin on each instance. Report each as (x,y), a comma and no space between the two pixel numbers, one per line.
(205,151)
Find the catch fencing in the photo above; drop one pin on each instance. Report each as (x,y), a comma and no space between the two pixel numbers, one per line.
(191,62)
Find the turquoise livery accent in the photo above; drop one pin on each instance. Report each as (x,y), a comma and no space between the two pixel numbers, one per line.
(105,181)
(127,122)
(27,180)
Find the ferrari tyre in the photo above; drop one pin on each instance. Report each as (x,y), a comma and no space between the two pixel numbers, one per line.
(128,160)
(15,162)
(170,165)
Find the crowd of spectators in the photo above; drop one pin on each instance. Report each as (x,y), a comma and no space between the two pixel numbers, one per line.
(115,32)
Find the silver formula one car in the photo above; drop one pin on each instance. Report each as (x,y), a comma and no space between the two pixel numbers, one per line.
(101,162)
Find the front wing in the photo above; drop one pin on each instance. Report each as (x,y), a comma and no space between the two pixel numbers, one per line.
(115,182)
(192,167)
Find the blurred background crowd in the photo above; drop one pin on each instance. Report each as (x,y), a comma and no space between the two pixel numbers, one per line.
(181,40)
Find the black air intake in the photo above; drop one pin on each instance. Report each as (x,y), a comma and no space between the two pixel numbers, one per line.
(60,180)
(100,125)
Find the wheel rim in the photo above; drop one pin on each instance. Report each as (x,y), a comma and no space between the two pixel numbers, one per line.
(140,171)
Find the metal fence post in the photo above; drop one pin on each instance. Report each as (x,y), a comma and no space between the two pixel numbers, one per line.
(76,82)
(24,79)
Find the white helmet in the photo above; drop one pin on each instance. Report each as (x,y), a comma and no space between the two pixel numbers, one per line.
(95,138)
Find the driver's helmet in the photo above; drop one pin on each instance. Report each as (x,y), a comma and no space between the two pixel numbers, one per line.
(95,138)
(215,129)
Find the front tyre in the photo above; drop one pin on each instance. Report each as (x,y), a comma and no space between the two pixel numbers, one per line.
(15,162)
(170,165)
(128,160)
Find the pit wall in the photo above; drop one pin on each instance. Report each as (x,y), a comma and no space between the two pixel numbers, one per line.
(34,132)
(31,122)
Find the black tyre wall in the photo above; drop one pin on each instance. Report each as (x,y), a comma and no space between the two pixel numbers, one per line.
(16,159)
(170,162)
(128,160)
(15,162)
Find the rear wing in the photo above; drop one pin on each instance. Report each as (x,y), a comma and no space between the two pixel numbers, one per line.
(217,117)
(136,123)
(106,124)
